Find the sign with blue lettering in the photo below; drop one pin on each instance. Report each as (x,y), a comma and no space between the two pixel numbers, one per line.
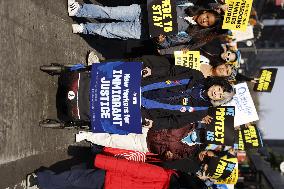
(115,97)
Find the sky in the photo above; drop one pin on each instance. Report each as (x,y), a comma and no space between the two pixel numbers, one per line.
(271,112)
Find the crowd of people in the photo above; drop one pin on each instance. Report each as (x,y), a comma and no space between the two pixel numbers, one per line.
(167,154)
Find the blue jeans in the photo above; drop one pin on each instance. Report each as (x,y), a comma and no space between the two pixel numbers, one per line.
(130,27)
(74,179)
(174,40)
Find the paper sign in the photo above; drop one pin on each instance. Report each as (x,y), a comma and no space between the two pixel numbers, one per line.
(240,142)
(233,178)
(237,15)
(221,128)
(162,17)
(251,137)
(115,97)
(266,80)
(190,59)
(244,105)
(220,168)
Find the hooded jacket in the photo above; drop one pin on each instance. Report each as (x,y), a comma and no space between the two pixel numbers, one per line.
(125,174)
(163,70)
(161,141)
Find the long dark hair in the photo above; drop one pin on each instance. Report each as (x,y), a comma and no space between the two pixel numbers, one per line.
(197,11)
(216,59)
(225,84)
(201,35)
(210,81)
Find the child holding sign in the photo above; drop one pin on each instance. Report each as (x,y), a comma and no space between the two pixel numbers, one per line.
(157,67)
(133,25)
(216,51)
(197,26)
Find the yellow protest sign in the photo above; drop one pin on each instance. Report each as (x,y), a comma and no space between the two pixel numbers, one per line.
(241,145)
(237,15)
(233,178)
(222,168)
(190,59)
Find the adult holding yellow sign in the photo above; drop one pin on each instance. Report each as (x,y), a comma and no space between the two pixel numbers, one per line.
(134,21)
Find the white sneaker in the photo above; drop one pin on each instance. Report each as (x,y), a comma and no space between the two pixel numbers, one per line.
(77,28)
(73,7)
(82,135)
(31,182)
(69,2)
(93,58)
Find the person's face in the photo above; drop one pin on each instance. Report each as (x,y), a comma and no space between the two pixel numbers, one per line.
(204,154)
(216,92)
(206,19)
(228,56)
(223,70)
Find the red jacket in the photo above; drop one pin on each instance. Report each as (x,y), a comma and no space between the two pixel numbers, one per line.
(125,174)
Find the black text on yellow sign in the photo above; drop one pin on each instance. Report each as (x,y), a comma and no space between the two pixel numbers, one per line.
(233,178)
(190,59)
(241,145)
(222,167)
(237,15)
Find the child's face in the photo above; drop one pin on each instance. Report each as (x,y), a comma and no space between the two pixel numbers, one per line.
(206,19)
(223,70)
(228,56)
(215,92)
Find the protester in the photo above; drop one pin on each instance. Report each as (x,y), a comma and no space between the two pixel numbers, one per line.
(167,143)
(134,23)
(156,67)
(216,51)
(215,54)
(174,104)
(110,173)
(194,24)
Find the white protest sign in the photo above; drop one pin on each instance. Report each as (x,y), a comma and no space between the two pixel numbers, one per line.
(245,111)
